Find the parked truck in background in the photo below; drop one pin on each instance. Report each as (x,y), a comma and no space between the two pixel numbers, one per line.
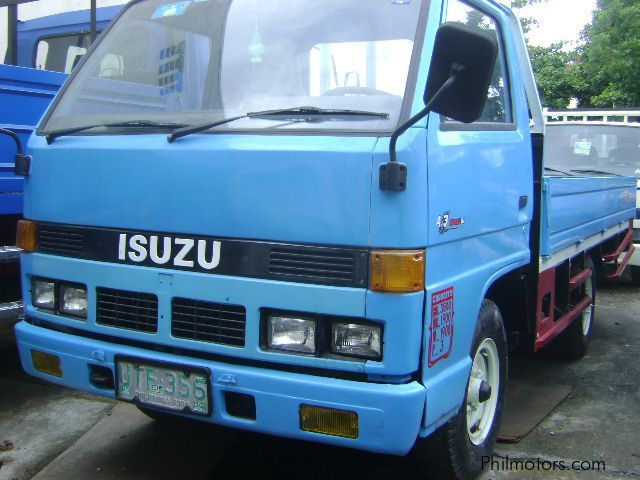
(596,142)
(332,232)
(47,50)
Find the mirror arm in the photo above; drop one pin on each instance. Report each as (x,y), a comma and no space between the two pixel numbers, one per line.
(393,175)
(22,166)
(15,139)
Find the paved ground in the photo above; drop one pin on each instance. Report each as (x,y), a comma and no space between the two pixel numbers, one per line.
(66,435)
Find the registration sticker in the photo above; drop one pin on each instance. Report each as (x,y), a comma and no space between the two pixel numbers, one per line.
(171,10)
(441,329)
(582,148)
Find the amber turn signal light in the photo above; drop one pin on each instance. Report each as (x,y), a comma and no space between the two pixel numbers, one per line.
(397,271)
(26,236)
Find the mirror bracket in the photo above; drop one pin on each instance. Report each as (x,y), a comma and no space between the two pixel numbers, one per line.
(393,175)
(22,166)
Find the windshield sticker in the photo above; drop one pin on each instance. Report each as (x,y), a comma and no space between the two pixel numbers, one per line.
(441,329)
(171,10)
(582,148)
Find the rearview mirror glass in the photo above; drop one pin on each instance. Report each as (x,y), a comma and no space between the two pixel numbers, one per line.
(470,53)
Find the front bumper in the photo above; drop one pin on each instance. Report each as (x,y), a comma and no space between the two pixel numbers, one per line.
(389,415)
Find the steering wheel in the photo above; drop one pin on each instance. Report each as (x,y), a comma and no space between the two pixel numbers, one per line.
(355,91)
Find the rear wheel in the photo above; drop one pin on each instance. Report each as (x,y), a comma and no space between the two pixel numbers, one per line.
(635,275)
(455,451)
(574,341)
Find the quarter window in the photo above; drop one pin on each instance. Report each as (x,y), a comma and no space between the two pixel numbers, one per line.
(498,107)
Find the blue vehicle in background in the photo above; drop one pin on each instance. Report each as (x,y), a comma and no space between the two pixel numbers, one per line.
(332,232)
(46,51)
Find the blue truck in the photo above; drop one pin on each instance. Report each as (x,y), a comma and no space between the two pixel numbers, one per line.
(46,51)
(332,232)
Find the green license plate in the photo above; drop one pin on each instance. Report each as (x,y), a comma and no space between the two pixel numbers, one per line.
(178,388)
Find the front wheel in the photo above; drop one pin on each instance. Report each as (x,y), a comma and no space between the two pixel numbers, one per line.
(455,451)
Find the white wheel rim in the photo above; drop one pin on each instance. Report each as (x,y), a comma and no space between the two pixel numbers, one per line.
(587,313)
(486,368)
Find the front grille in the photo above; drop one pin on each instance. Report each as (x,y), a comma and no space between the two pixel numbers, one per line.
(319,265)
(130,310)
(208,322)
(60,240)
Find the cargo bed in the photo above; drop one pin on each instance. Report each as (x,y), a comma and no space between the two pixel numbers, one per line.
(582,208)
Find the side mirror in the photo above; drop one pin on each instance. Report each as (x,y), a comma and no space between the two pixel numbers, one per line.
(457,87)
(470,55)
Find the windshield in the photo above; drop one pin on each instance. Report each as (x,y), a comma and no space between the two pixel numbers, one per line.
(196,61)
(589,149)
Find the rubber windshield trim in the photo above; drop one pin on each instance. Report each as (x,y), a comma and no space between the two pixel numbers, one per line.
(405,110)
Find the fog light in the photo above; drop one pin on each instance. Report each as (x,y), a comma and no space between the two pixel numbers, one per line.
(73,300)
(292,334)
(46,363)
(43,294)
(340,423)
(356,340)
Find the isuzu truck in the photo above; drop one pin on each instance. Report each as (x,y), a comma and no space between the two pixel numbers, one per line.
(322,220)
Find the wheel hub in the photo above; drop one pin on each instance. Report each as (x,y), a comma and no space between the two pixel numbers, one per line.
(482,392)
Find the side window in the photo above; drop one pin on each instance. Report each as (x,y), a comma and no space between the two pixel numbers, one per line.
(498,108)
(61,53)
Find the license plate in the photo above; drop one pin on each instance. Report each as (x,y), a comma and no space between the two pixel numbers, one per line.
(178,388)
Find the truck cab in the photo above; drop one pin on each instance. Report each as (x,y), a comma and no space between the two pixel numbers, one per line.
(325,232)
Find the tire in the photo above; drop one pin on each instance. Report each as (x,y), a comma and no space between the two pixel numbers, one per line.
(455,451)
(635,275)
(574,341)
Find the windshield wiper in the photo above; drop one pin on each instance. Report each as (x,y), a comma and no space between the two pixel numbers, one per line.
(589,170)
(302,113)
(51,136)
(555,170)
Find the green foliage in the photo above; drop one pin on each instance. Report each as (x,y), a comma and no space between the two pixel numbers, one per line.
(556,74)
(610,59)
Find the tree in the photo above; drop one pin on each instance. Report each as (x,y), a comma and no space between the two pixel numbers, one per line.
(527,22)
(556,74)
(610,58)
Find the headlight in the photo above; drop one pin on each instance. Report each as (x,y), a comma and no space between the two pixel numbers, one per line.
(356,340)
(43,294)
(291,334)
(73,300)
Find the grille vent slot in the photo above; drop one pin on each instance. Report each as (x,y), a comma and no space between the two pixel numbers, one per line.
(129,310)
(326,266)
(208,322)
(60,240)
